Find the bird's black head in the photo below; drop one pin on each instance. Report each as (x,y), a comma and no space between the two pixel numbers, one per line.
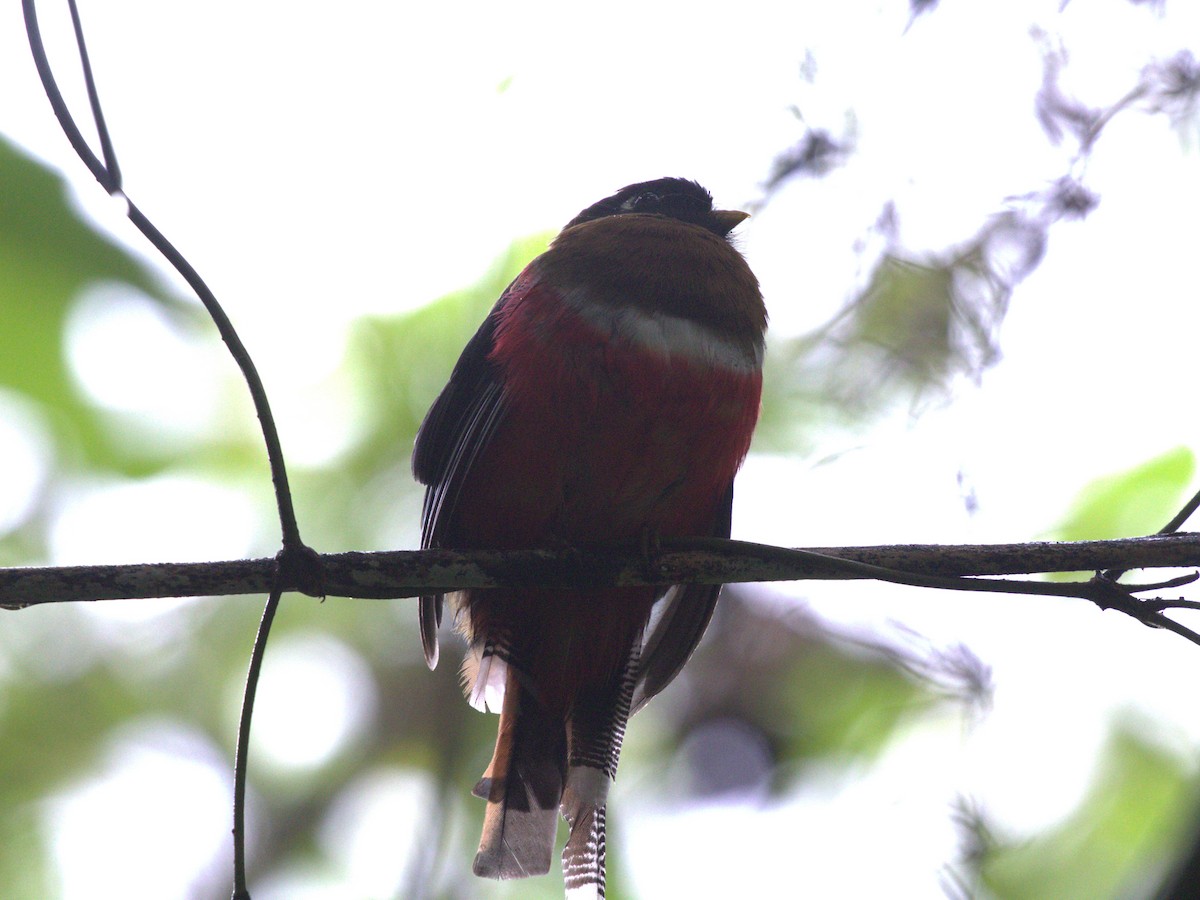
(676,198)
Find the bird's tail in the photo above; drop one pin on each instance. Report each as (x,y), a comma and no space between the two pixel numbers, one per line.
(583,856)
(597,728)
(523,786)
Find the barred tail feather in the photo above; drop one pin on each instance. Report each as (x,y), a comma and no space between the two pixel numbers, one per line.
(583,857)
(523,785)
(584,806)
(596,732)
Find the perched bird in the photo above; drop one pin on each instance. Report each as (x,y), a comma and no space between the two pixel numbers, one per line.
(609,396)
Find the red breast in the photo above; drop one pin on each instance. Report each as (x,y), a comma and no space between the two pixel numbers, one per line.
(631,396)
(632,393)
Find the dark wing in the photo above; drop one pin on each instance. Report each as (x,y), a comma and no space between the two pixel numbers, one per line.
(684,616)
(459,423)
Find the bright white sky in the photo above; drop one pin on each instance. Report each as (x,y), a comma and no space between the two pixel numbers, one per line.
(337,159)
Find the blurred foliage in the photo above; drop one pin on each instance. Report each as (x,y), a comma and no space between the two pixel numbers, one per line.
(47,256)
(72,682)
(1128,504)
(817,696)
(1168,87)
(919,326)
(1128,826)
(397,365)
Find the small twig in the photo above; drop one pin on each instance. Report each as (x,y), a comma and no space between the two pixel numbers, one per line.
(1182,516)
(57,103)
(108,174)
(1178,581)
(112,170)
(1089,139)
(1164,603)
(240,891)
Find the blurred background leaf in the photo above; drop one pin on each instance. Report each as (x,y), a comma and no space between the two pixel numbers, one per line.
(48,255)
(1115,844)
(1128,504)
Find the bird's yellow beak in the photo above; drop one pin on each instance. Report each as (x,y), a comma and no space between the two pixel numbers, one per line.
(730,218)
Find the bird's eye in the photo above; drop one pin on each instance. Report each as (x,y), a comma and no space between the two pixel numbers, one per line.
(641,199)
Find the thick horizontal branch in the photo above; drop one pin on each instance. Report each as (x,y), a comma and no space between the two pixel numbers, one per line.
(396,574)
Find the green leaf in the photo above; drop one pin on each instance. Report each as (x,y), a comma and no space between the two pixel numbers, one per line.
(1131,819)
(48,254)
(1128,504)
